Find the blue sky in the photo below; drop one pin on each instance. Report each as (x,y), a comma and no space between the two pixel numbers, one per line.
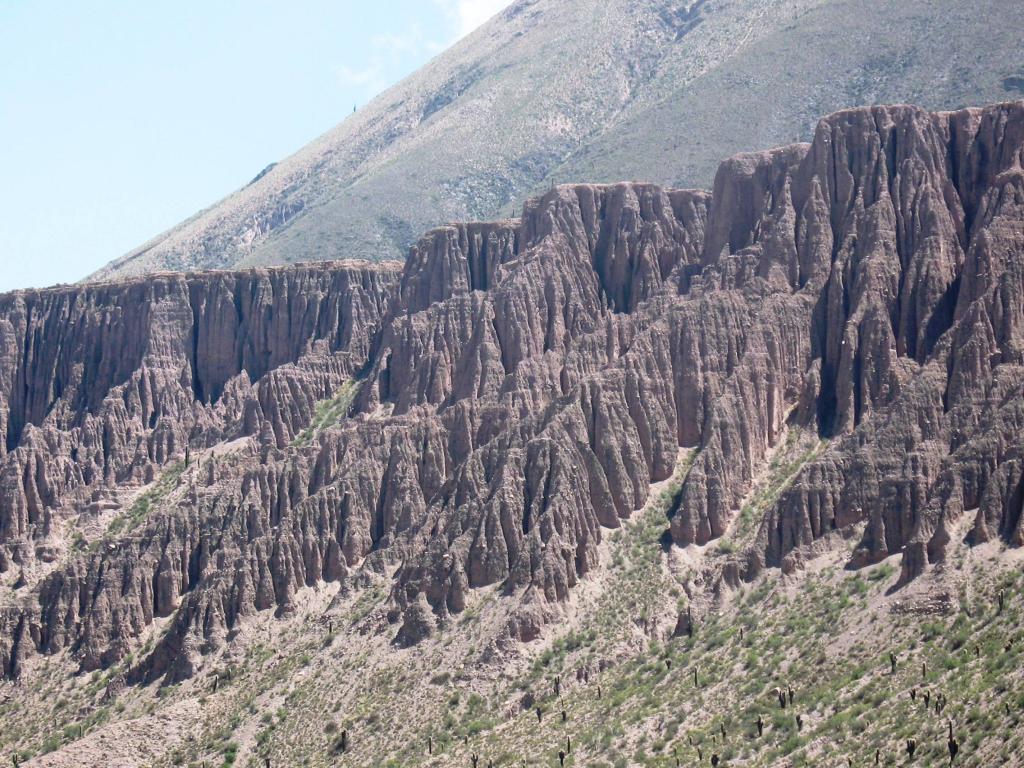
(118,119)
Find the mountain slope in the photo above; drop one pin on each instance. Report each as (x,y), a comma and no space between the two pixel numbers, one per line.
(553,91)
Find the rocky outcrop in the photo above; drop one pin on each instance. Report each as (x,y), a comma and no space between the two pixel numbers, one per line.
(101,386)
(917,331)
(523,386)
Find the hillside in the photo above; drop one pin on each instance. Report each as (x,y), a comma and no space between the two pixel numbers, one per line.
(553,91)
(634,458)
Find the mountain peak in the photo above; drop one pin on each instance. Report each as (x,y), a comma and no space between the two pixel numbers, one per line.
(552,91)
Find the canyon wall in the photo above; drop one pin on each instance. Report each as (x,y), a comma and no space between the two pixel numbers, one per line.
(515,389)
(102,386)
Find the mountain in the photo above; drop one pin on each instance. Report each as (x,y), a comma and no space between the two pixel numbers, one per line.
(554,91)
(619,478)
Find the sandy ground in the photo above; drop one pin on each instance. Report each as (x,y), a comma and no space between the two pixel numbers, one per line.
(129,743)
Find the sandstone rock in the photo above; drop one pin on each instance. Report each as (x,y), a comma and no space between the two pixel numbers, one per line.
(519,386)
(418,625)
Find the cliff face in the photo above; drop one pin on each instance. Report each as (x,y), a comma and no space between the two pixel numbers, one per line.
(916,347)
(102,386)
(522,387)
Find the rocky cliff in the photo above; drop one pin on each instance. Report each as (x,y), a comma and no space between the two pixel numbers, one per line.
(103,389)
(480,418)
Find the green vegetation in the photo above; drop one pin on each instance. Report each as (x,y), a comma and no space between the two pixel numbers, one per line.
(148,500)
(624,682)
(799,447)
(329,412)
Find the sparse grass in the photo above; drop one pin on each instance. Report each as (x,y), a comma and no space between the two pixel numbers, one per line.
(147,501)
(799,447)
(328,412)
(826,632)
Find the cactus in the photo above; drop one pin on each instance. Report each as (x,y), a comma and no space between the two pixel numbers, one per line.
(561,757)
(911,748)
(760,726)
(892,663)
(799,723)
(952,743)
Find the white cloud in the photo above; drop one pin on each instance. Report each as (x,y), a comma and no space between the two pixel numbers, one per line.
(410,43)
(369,80)
(390,50)
(473,13)
(467,15)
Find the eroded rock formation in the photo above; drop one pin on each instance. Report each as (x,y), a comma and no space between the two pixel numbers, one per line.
(520,387)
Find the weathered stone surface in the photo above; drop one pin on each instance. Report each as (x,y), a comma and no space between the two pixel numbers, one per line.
(920,363)
(101,387)
(524,384)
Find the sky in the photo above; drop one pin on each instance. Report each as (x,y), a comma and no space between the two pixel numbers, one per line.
(120,118)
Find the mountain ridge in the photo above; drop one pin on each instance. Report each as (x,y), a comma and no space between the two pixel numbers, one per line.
(732,254)
(517,106)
